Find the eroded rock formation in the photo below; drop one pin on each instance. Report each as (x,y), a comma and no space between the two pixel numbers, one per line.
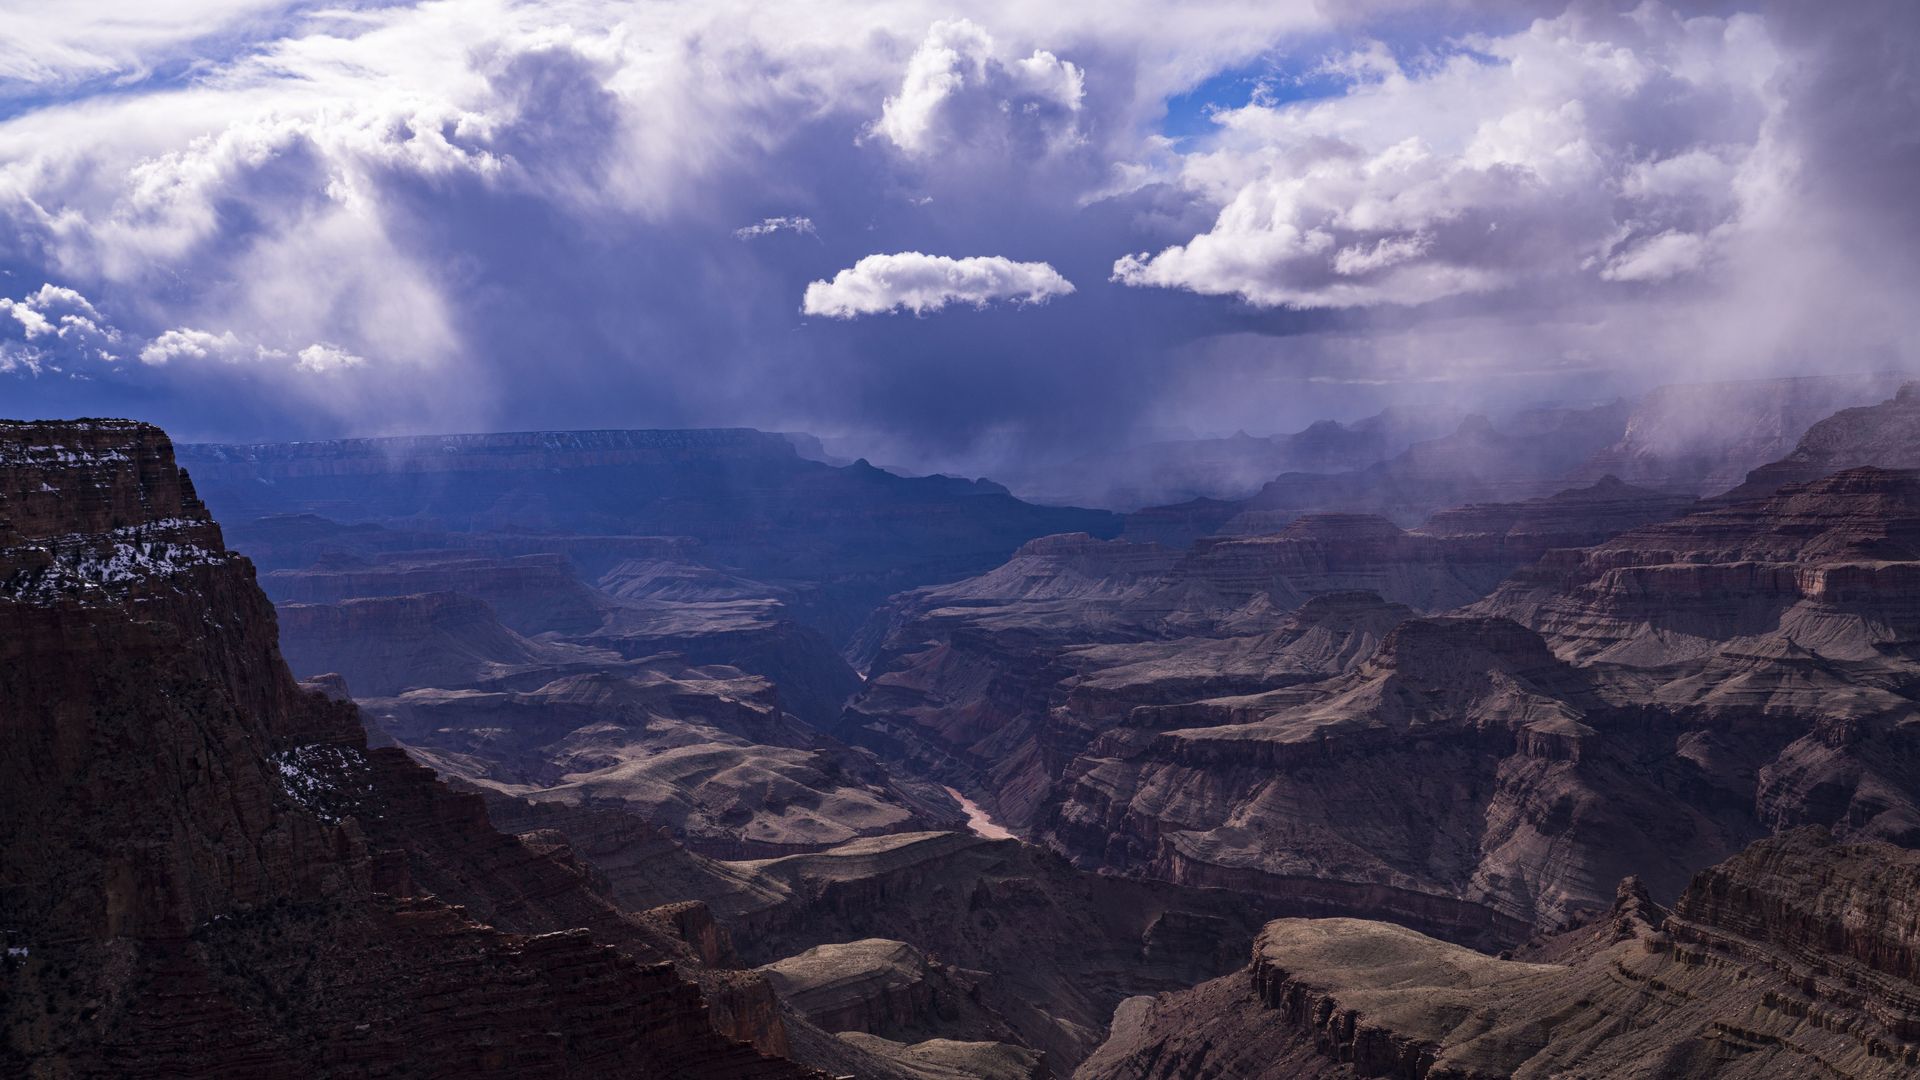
(1792,958)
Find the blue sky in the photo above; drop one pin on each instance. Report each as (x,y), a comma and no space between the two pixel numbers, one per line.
(947,235)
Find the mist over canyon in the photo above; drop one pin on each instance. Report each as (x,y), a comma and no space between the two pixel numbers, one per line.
(919,542)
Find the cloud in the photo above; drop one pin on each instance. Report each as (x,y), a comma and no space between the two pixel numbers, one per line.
(52,327)
(319,359)
(525,215)
(1618,142)
(188,343)
(956,92)
(1658,258)
(768,226)
(75,40)
(911,281)
(453,188)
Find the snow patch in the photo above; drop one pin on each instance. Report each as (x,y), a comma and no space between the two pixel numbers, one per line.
(325,780)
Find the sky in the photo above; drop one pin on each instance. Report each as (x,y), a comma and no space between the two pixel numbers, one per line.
(945,236)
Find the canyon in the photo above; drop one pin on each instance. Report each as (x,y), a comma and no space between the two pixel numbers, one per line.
(684,753)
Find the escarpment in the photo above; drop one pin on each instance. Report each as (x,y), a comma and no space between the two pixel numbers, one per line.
(207,872)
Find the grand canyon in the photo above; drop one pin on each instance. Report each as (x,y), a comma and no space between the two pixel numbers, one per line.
(610,541)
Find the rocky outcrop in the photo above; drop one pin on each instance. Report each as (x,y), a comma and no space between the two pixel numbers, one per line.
(206,870)
(886,988)
(1793,957)
(955,1059)
(1329,634)
(756,635)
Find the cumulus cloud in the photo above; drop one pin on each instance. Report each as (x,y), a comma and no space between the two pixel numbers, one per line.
(51,327)
(912,281)
(768,226)
(321,358)
(957,91)
(1588,143)
(188,343)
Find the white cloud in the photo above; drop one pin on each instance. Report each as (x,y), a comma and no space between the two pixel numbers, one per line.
(768,226)
(53,326)
(912,281)
(188,343)
(321,358)
(56,44)
(956,91)
(1623,143)
(1658,258)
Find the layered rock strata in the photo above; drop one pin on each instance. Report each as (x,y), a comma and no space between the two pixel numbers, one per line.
(1793,958)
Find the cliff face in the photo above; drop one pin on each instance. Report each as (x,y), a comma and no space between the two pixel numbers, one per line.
(1461,780)
(206,870)
(1794,957)
(1827,566)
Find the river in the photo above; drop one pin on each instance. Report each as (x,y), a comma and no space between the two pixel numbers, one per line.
(979,821)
